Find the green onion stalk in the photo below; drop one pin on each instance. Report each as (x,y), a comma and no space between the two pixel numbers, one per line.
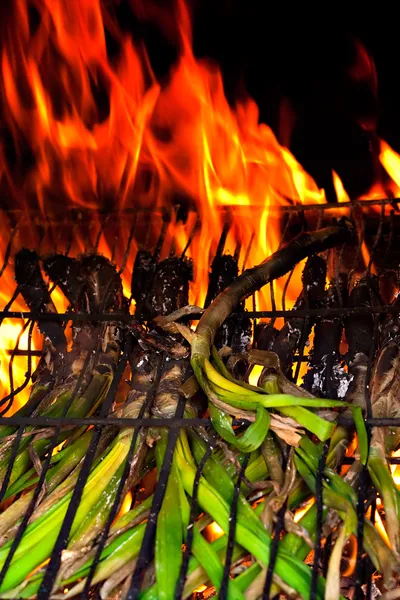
(385,403)
(224,394)
(338,495)
(59,405)
(98,496)
(214,496)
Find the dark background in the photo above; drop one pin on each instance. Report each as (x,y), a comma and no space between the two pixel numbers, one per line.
(327,88)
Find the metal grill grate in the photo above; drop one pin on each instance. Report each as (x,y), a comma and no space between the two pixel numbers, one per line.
(377,224)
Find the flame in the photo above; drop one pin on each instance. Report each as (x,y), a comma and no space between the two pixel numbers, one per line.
(395,469)
(390,160)
(351,559)
(341,193)
(14,333)
(102,132)
(300,512)
(213,532)
(378,521)
(125,506)
(343,196)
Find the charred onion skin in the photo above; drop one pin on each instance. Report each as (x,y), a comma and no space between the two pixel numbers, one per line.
(325,376)
(251,280)
(297,328)
(66,272)
(170,289)
(35,293)
(142,277)
(359,331)
(235,332)
(359,328)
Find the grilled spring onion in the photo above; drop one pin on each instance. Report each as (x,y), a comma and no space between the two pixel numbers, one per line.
(385,387)
(37,297)
(296,328)
(326,376)
(235,332)
(103,288)
(42,533)
(231,394)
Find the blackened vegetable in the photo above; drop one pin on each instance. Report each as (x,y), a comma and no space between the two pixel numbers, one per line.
(36,295)
(264,336)
(103,289)
(253,279)
(66,272)
(170,289)
(326,377)
(235,332)
(296,330)
(359,327)
(142,277)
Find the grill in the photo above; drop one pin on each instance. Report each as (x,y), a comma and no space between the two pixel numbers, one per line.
(377,224)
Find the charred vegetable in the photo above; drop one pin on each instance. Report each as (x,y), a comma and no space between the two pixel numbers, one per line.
(326,376)
(235,332)
(296,330)
(35,293)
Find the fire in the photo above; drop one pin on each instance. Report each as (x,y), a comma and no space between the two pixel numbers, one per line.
(351,558)
(213,532)
(300,512)
(126,505)
(390,160)
(102,132)
(396,469)
(378,521)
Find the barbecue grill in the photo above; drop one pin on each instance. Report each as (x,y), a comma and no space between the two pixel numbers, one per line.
(376,223)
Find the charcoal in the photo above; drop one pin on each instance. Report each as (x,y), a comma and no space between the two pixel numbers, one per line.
(36,294)
(297,329)
(326,376)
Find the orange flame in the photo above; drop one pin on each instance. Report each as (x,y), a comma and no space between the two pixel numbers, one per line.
(351,558)
(390,160)
(213,532)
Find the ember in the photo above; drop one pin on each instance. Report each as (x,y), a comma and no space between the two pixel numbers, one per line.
(199,353)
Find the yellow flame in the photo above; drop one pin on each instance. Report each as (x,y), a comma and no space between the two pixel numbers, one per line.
(378,522)
(255,374)
(300,512)
(390,161)
(213,531)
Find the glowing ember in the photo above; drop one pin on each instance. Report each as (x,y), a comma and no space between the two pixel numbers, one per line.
(200,589)
(255,374)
